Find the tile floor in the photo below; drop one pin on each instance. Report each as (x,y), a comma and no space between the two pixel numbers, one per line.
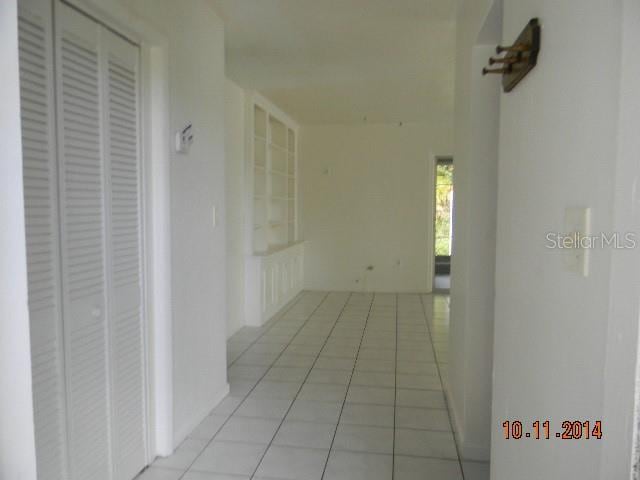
(338,386)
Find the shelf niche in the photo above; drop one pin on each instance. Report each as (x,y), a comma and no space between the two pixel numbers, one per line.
(274,165)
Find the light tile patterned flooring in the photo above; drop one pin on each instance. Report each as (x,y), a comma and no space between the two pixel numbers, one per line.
(338,386)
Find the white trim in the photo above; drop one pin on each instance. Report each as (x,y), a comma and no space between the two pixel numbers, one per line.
(158,251)
(468,451)
(455,418)
(17,443)
(471,452)
(182,434)
(431,220)
(621,383)
(154,52)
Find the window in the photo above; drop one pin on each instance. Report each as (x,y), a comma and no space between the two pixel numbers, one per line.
(444,207)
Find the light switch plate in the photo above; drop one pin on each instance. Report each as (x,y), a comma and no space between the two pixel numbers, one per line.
(577,224)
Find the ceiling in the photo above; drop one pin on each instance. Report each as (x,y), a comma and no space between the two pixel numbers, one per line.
(344,61)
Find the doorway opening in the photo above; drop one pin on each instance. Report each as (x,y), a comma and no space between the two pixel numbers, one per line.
(443,224)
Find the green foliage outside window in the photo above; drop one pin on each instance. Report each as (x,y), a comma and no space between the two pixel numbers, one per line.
(444,200)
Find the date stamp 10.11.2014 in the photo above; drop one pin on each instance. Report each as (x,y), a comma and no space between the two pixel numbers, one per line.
(542,430)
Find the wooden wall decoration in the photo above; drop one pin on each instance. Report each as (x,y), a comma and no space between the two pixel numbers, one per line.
(519,59)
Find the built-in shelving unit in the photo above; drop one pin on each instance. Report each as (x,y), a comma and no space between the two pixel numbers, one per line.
(274,270)
(274,174)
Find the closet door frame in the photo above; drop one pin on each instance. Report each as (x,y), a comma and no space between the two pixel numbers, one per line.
(154,151)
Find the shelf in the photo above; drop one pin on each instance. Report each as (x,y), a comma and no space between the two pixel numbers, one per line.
(275,172)
(259,122)
(278,132)
(277,248)
(279,147)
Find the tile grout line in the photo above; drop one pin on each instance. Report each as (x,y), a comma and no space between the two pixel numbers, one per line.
(446,401)
(346,395)
(421,429)
(271,365)
(320,449)
(286,310)
(395,399)
(303,382)
(181,477)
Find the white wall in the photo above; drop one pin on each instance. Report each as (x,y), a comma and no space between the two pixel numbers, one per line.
(367,199)
(17,445)
(473,262)
(196,88)
(565,347)
(235,201)
(558,148)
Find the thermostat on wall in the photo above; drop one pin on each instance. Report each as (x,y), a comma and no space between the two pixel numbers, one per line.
(184,139)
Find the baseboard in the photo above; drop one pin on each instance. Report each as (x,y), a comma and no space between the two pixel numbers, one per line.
(183,433)
(458,431)
(407,291)
(236,329)
(467,450)
(285,304)
(220,396)
(475,453)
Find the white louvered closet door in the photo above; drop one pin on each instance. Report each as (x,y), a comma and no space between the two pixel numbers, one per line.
(82,177)
(42,233)
(82,205)
(120,76)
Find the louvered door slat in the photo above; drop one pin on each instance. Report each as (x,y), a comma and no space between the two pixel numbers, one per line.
(123,161)
(83,246)
(40,197)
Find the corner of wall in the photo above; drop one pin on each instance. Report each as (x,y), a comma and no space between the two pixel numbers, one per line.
(456,418)
(235,150)
(183,432)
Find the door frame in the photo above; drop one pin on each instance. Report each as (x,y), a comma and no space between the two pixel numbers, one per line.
(17,443)
(620,457)
(155,199)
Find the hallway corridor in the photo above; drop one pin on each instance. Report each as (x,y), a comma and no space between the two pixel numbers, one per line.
(319,391)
